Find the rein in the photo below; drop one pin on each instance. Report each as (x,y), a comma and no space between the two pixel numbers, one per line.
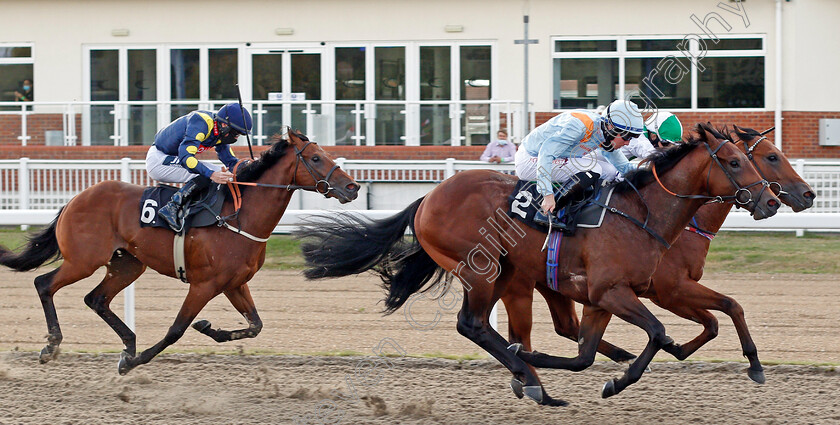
(718,199)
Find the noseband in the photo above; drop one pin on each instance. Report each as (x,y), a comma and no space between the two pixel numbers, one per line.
(749,151)
(719,199)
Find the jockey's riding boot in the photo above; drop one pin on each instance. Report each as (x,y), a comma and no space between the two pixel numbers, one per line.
(583,181)
(541,219)
(171,213)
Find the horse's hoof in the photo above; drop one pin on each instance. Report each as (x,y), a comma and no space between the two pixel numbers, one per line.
(609,389)
(123,367)
(201,325)
(756,375)
(534,392)
(516,387)
(515,348)
(48,353)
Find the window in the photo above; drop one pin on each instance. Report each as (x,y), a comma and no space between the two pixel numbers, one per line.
(15,66)
(593,72)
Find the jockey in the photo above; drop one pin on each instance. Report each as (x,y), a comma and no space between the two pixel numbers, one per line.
(171,158)
(556,151)
(661,130)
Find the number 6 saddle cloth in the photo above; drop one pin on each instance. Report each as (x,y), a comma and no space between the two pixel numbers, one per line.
(204,211)
(525,201)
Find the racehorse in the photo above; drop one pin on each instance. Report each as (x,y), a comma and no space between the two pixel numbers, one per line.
(454,224)
(101,227)
(675,284)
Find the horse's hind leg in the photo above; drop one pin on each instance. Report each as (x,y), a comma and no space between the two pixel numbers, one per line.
(122,270)
(240,298)
(47,285)
(198,296)
(566,324)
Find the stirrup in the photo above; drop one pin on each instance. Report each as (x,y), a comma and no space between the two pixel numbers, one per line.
(542,220)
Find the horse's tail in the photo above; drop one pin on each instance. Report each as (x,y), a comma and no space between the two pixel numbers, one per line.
(343,245)
(41,248)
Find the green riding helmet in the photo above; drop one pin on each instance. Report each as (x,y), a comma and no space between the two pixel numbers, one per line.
(665,125)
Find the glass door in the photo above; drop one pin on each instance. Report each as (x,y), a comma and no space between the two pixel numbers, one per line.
(289,80)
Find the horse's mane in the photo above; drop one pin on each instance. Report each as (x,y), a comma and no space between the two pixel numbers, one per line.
(253,170)
(665,159)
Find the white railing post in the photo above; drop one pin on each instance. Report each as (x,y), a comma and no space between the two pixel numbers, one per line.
(450,168)
(494,317)
(128,294)
(23,136)
(23,187)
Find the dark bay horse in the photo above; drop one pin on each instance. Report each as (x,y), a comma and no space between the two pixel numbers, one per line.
(675,284)
(461,227)
(101,227)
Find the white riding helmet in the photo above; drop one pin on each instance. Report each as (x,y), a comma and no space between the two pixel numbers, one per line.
(624,115)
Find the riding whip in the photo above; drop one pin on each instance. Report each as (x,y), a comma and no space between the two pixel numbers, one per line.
(242,108)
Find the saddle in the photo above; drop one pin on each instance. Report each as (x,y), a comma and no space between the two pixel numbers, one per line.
(585,212)
(204,210)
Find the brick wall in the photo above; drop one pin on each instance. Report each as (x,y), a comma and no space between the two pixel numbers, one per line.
(801,139)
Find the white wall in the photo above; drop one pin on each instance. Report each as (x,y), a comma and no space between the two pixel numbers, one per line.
(60,28)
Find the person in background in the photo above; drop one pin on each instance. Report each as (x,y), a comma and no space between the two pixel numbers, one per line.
(500,150)
(25,92)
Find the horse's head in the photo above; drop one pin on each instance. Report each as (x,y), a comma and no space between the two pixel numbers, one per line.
(315,170)
(731,171)
(774,167)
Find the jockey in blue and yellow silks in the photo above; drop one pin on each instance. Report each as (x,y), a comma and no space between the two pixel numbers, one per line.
(171,158)
(557,150)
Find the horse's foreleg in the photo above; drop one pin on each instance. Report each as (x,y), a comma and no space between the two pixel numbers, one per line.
(123,269)
(240,298)
(621,301)
(197,298)
(692,304)
(474,323)
(592,329)
(566,324)
(520,319)
(47,285)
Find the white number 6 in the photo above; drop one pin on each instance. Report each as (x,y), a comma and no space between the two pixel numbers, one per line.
(149,210)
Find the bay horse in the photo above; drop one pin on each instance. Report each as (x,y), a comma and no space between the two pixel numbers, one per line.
(101,227)
(454,224)
(675,284)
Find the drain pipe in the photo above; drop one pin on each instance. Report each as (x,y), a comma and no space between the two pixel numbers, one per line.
(778,115)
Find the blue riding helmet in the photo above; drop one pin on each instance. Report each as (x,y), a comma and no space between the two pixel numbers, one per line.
(231,114)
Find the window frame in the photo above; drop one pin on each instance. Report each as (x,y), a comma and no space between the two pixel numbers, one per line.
(621,53)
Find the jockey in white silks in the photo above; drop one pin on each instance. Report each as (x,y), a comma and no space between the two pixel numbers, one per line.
(661,129)
(558,150)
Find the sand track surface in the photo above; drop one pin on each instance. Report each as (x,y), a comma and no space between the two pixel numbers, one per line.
(792,319)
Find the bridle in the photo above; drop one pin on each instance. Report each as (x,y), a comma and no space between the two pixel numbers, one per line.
(736,198)
(748,150)
(322,184)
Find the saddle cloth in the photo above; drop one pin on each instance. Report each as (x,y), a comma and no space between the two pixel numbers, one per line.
(524,203)
(200,213)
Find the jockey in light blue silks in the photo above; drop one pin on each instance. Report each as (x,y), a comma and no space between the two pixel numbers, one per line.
(557,150)
(171,158)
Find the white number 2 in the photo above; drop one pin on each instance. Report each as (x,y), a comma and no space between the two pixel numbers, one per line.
(517,203)
(149,211)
